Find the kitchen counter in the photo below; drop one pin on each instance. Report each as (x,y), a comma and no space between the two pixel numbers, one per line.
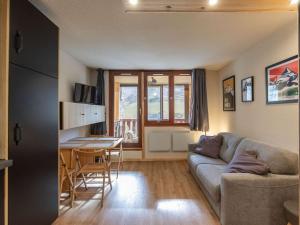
(5,163)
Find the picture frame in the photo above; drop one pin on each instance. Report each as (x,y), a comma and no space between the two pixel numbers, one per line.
(247,89)
(229,99)
(282,81)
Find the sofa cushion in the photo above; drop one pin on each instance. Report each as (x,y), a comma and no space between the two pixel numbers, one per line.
(210,178)
(279,160)
(228,148)
(195,159)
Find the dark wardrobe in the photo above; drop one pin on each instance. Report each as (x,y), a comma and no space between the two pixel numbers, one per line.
(33,116)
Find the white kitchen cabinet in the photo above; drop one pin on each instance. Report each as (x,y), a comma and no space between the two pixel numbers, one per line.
(77,114)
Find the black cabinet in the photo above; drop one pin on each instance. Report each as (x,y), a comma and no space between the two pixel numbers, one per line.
(33,145)
(33,117)
(33,39)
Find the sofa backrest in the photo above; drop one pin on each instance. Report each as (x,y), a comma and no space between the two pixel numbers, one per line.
(229,146)
(280,161)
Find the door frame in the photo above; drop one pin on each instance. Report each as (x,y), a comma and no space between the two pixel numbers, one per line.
(112,75)
(4,78)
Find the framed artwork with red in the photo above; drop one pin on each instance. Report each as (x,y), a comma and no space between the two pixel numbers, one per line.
(282,81)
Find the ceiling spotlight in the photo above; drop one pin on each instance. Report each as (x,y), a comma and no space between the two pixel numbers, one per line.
(294,2)
(133,2)
(214,2)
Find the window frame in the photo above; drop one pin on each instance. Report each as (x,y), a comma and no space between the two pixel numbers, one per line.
(186,91)
(171,74)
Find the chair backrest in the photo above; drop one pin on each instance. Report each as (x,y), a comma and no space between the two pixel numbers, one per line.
(90,156)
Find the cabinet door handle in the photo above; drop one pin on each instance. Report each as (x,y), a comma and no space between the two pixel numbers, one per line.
(17,134)
(19,42)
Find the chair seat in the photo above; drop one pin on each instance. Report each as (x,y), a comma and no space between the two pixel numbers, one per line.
(92,168)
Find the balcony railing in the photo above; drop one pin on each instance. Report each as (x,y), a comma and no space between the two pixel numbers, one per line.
(127,129)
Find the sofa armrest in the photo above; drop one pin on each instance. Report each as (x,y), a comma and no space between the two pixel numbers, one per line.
(255,200)
(192,147)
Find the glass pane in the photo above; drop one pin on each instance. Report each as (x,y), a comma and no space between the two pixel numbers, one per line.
(158,97)
(154,103)
(128,102)
(179,101)
(165,102)
(182,95)
(126,117)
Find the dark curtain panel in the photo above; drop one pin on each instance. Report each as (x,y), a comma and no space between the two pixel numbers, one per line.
(99,128)
(199,111)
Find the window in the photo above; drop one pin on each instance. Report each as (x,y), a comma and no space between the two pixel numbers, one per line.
(182,87)
(167,97)
(158,98)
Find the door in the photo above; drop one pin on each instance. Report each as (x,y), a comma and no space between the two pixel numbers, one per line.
(125,107)
(33,145)
(33,39)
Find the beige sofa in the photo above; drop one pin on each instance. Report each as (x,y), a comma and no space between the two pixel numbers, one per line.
(247,199)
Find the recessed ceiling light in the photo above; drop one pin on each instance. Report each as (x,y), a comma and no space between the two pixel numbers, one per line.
(133,2)
(213,2)
(294,2)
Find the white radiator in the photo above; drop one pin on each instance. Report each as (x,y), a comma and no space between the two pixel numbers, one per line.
(160,141)
(181,140)
(165,141)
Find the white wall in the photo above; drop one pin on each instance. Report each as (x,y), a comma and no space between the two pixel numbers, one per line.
(70,72)
(274,124)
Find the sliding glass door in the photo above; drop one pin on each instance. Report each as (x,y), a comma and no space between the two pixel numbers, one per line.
(125,107)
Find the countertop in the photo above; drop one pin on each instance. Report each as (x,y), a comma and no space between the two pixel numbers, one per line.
(5,163)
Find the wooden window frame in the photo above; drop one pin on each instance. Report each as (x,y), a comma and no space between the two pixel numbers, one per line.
(112,75)
(171,74)
(186,102)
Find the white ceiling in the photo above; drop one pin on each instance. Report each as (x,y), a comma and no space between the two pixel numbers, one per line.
(101,35)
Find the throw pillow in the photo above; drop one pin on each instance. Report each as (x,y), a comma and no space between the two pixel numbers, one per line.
(247,162)
(210,146)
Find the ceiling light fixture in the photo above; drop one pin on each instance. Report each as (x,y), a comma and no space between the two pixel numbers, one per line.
(213,2)
(294,2)
(133,2)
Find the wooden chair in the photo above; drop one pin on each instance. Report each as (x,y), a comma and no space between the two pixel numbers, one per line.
(116,157)
(66,174)
(91,164)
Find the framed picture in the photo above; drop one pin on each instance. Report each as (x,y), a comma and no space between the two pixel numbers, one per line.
(282,81)
(229,94)
(247,87)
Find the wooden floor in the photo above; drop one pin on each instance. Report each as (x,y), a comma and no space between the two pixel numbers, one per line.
(146,193)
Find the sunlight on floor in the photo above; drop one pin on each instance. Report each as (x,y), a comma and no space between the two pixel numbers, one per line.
(178,205)
(145,193)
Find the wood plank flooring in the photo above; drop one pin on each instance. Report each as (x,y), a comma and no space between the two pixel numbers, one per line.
(146,193)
